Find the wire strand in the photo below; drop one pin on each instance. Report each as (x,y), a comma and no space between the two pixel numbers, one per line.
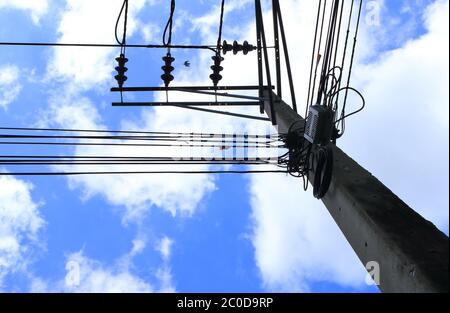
(168,28)
(140,172)
(134,132)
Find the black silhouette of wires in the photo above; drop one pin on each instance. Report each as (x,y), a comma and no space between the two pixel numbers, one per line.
(332,75)
(122,42)
(142,173)
(167,34)
(297,160)
(340,122)
(343,116)
(219,38)
(220,146)
(122,60)
(323,160)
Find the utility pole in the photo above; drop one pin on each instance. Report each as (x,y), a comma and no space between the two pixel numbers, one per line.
(412,254)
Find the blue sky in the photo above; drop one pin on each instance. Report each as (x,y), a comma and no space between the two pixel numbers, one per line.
(207,233)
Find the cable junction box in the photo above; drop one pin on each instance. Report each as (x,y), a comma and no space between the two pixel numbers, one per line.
(319,125)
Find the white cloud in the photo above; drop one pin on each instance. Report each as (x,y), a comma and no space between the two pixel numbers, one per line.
(95,277)
(164,273)
(164,247)
(81,22)
(83,69)
(138,246)
(295,239)
(150,32)
(86,275)
(89,69)
(165,277)
(296,242)
(174,193)
(79,113)
(10,86)
(20,223)
(407,114)
(36,8)
(308,246)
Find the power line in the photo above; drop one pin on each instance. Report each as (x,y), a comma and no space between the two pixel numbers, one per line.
(137,132)
(42,143)
(99,45)
(193,159)
(343,116)
(219,39)
(169,25)
(141,172)
(312,58)
(122,42)
(137,138)
(96,163)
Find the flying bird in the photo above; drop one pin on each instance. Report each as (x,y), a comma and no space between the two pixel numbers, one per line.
(187,63)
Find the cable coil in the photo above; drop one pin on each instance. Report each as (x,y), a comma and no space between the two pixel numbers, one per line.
(323,171)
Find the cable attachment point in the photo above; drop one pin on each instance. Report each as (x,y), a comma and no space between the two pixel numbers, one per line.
(167,77)
(121,69)
(236,47)
(217,68)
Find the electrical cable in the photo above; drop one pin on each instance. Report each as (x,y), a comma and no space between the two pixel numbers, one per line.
(168,28)
(338,35)
(98,45)
(343,116)
(122,42)
(219,39)
(43,143)
(133,138)
(86,157)
(312,58)
(140,172)
(134,132)
(344,55)
(323,172)
(318,58)
(328,50)
(121,69)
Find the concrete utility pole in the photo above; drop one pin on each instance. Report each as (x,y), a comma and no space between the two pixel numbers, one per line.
(413,255)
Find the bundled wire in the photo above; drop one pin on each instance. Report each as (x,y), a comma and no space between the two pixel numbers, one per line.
(72,130)
(297,160)
(323,160)
(122,60)
(340,123)
(219,38)
(317,54)
(217,58)
(161,139)
(167,34)
(122,42)
(331,77)
(106,163)
(328,53)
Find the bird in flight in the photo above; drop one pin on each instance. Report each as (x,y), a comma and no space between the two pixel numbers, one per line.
(187,63)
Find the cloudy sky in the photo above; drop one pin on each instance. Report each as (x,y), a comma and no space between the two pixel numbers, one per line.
(207,233)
